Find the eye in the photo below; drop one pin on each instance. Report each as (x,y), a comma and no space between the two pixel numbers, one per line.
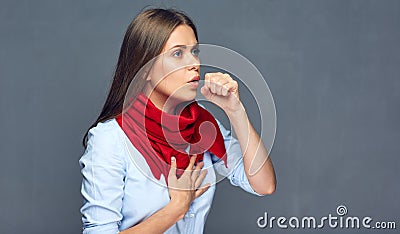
(196,52)
(177,53)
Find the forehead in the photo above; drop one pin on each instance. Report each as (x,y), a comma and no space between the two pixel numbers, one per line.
(182,35)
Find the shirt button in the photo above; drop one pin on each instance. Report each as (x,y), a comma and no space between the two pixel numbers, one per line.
(191,215)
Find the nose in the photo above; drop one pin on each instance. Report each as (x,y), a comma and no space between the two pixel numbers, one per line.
(194,62)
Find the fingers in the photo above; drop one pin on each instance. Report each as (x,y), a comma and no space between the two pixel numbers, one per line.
(200,191)
(191,162)
(189,169)
(192,177)
(219,83)
(172,169)
(197,170)
(200,178)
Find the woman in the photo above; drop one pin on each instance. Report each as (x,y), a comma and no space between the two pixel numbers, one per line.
(119,196)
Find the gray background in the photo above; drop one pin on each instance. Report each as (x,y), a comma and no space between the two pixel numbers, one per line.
(332,67)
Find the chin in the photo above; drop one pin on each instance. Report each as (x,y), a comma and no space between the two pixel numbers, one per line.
(191,96)
(188,96)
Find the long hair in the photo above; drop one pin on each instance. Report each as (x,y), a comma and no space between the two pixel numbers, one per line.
(144,39)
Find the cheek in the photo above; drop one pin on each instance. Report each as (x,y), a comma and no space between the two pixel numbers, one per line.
(168,77)
(172,82)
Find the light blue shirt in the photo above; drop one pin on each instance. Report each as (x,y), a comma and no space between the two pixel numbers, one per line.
(119,190)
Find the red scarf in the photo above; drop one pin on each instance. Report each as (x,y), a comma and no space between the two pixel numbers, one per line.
(158,136)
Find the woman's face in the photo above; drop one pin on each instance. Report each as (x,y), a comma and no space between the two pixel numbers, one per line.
(176,71)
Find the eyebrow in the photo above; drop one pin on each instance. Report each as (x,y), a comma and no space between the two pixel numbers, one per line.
(183,46)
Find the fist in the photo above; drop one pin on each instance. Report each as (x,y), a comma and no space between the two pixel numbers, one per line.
(220,89)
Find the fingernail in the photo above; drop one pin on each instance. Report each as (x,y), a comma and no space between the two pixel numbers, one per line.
(172,159)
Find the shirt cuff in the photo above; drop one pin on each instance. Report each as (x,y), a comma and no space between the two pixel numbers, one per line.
(110,228)
(239,178)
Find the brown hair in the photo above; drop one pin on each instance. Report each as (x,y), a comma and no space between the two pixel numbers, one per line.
(144,39)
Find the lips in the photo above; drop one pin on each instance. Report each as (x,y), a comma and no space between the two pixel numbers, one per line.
(194,79)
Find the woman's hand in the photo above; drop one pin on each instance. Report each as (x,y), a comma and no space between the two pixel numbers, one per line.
(187,188)
(222,90)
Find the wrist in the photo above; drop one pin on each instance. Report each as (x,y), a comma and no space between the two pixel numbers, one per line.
(177,209)
(238,114)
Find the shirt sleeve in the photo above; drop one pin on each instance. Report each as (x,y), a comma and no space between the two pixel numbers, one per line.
(235,170)
(103,170)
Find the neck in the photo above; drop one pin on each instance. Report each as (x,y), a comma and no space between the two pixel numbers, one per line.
(164,103)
